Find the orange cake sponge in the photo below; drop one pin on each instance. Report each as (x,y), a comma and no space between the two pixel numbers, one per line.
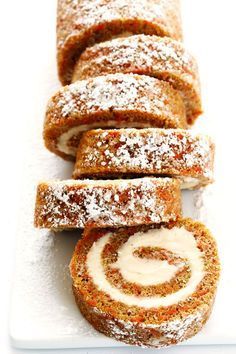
(133,152)
(147,286)
(83,23)
(119,100)
(71,204)
(163,58)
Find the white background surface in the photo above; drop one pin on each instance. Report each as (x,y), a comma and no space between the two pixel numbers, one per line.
(28,75)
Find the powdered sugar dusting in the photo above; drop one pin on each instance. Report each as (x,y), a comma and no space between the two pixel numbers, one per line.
(139,52)
(163,58)
(147,151)
(114,92)
(81,15)
(169,332)
(74,204)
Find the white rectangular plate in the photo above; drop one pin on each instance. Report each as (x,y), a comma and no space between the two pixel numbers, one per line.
(43,312)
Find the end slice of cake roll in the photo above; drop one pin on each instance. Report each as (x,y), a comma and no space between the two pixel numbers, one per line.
(147,286)
(163,58)
(71,204)
(83,23)
(137,152)
(111,101)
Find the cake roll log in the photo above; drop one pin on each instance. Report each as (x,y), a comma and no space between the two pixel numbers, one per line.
(147,286)
(111,101)
(163,58)
(83,23)
(133,152)
(77,204)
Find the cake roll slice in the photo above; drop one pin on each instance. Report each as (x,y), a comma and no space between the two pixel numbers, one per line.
(83,23)
(163,58)
(62,205)
(147,286)
(111,101)
(137,152)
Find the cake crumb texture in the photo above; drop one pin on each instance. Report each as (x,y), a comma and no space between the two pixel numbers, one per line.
(77,204)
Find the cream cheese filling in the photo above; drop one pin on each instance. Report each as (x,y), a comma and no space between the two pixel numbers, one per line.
(62,144)
(148,271)
(189,182)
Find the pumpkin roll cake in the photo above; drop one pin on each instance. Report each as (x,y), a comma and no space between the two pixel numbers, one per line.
(111,101)
(163,58)
(133,152)
(81,23)
(148,286)
(71,204)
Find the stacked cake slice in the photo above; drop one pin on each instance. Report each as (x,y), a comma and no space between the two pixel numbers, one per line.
(141,274)
(160,152)
(79,204)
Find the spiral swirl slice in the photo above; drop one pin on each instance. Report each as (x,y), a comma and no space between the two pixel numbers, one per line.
(150,286)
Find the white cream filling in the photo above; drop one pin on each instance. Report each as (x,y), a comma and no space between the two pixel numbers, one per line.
(142,271)
(189,182)
(62,144)
(148,271)
(121,35)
